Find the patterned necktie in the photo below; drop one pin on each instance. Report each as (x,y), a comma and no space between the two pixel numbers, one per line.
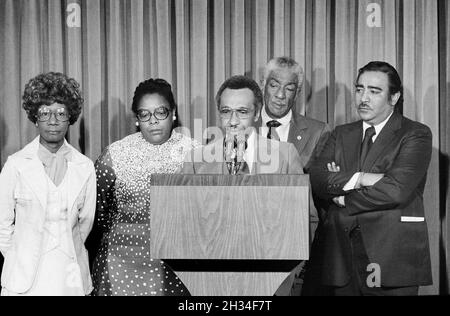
(366,144)
(272,133)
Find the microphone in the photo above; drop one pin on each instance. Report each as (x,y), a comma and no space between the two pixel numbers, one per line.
(235,146)
(240,140)
(229,146)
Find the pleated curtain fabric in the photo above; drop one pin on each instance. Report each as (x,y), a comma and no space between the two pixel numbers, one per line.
(109,46)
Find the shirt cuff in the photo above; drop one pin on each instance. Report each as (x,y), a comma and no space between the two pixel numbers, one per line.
(350,185)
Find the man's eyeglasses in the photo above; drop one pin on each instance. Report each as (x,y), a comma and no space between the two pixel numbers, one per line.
(61,115)
(243,113)
(160,114)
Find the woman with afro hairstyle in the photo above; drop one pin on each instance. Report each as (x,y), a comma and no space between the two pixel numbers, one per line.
(47,198)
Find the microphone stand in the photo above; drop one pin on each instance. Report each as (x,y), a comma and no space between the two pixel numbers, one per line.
(234,145)
(233,166)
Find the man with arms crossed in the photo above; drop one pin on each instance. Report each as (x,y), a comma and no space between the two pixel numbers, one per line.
(372,173)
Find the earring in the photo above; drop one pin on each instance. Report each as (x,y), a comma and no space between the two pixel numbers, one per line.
(37,125)
(137,124)
(174,117)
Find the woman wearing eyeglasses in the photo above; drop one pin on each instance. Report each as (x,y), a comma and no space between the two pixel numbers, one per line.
(124,264)
(47,198)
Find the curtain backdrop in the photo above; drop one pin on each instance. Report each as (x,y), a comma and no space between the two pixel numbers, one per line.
(110,46)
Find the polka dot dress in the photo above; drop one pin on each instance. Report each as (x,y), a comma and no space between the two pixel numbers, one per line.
(123,265)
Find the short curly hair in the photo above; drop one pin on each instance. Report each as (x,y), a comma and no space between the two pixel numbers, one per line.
(51,87)
(150,86)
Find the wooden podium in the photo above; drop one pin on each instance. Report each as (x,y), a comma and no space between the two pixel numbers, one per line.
(230,235)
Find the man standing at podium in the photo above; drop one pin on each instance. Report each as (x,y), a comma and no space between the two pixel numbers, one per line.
(242,150)
(373,172)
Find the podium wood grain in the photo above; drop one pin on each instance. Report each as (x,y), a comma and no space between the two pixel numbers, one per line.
(232,283)
(228,217)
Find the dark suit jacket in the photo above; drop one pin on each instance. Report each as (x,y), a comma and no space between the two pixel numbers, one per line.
(307,135)
(402,151)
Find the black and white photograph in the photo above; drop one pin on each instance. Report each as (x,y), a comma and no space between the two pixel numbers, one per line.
(224,152)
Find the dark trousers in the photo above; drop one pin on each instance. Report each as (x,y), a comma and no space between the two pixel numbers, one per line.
(358,285)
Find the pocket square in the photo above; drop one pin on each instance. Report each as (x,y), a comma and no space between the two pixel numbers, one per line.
(412,219)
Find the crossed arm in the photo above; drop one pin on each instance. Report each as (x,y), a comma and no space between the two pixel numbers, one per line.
(404,169)
(362,179)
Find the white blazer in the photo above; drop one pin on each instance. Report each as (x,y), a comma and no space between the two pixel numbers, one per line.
(23,204)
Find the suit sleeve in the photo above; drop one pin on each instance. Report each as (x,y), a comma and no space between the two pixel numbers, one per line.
(401,181)
(295,165)
(87,213)
(8,180)
(319,146)
(326,184)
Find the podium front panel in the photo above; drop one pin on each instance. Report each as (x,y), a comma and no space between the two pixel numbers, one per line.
(248,217)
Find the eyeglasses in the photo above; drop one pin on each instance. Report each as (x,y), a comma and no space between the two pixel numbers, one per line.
(61,114)
(243,113)
(160,114)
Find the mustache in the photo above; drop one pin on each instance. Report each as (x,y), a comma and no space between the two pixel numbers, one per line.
(364,106)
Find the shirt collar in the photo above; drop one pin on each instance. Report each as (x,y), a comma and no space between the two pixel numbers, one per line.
(46,156)
(377,127)
(285,120)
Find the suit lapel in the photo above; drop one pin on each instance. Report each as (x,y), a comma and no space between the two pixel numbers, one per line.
(34,172)
(37,179)
(298,133)
(382,141)
(214,157)
(76,176)
(352,146)
(266,151)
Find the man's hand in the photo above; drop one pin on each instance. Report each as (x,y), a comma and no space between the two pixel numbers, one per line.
(368,179)
(338,200)
(332,167)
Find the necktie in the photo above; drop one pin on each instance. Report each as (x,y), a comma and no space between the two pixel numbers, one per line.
(244,168)
(272,133)
(366,144)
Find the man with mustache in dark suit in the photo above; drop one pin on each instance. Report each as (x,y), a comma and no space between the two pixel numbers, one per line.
(372,173)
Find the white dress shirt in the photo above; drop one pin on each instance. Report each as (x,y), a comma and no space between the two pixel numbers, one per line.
(350,185)
(282,130)
(250,151)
